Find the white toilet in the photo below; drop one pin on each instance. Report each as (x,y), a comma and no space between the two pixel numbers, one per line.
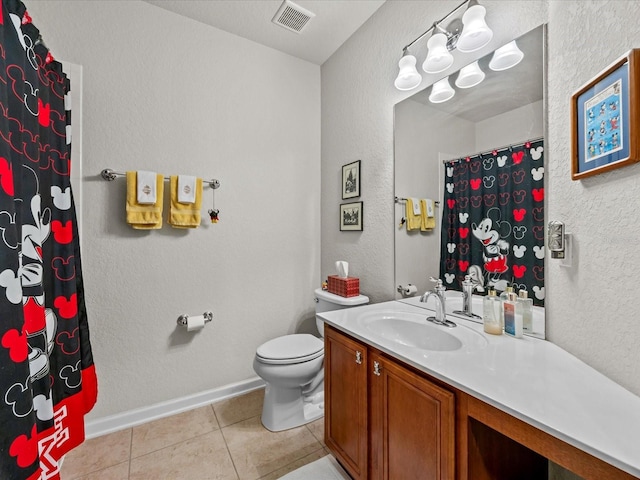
(292,368)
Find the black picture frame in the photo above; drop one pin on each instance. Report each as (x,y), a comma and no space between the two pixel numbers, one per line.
(351,180)
(351,215)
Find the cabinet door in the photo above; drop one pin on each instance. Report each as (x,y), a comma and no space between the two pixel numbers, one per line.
(345,422)
(412,424)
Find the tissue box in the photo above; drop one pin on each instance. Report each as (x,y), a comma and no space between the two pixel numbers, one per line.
(345,287)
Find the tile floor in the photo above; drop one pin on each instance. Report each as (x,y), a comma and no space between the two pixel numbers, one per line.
(224,440)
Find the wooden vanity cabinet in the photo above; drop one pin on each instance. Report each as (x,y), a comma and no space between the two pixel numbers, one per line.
(383,421)
(346,405)
(412,424)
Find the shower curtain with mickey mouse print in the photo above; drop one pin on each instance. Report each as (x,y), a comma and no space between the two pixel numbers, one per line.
(47,376)
(493,221)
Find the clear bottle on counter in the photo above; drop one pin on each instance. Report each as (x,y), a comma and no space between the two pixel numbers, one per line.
(527,311)
(503,297)
(491,313)
(512,316)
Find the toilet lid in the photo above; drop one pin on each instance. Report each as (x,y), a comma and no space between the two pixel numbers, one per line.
(294,348)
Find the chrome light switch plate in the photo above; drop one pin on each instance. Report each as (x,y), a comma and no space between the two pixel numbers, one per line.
(556,239)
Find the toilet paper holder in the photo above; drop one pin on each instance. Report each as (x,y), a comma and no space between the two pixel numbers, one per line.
(407,290)
(182,319)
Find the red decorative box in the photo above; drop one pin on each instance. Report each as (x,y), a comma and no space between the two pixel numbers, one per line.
(345,287)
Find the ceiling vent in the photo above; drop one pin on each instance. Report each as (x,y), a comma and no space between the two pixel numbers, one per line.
(292,17)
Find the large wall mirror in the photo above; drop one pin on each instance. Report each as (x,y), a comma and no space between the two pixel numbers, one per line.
(507,108)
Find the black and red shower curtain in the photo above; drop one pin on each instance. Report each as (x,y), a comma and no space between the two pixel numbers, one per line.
(47,376)
(493,220)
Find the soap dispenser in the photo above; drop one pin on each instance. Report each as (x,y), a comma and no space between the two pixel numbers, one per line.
(512,315)
(527,311)
(491,314)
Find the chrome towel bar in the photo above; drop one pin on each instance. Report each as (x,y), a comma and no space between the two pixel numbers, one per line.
(110,175)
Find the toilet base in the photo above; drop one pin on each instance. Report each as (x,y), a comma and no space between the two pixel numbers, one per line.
(286,408)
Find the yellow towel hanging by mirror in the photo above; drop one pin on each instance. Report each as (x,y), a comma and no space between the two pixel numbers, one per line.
(414,221)
(427,223)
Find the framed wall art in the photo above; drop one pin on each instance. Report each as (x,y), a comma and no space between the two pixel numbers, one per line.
(351,180)
(351,216)
(605,118)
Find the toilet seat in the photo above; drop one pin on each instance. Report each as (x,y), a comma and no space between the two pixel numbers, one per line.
(290,349)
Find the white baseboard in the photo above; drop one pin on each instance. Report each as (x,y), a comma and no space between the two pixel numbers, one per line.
(138,416)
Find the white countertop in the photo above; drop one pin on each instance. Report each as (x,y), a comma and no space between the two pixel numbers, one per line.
(531,379)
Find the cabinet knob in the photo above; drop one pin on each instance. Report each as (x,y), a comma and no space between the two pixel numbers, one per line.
(358,357)
(376,368)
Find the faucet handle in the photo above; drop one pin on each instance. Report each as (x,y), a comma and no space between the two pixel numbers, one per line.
(439,285)
(468,284)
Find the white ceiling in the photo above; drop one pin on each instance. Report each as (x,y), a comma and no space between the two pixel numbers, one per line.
(334,22)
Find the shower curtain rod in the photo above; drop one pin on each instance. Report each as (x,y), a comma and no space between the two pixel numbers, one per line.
(492,150)
(110,175)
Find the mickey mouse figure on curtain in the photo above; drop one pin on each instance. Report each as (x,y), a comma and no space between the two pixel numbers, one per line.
(492,232)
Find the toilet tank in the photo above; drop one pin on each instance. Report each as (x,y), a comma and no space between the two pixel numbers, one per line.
(325,302)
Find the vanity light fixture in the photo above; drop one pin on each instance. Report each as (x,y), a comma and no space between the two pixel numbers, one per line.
(506,57)
(441,91)
(467,34)
(470,76)
(408,78)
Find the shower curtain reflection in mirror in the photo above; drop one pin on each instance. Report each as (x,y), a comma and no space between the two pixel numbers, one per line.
(493,220)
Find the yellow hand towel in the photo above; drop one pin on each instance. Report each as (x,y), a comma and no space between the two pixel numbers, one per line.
(144,217)
(413,221)
(185,215)
(427,223)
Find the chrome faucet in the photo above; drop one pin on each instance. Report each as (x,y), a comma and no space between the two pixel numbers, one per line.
(467,298)
(441,310)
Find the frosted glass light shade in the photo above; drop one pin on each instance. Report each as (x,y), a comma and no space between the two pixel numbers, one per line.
(439,57)
(476,33)
(506,57)
(441,91)
(408,78)
(470,76)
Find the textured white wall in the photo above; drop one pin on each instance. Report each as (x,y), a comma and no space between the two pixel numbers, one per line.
(166,93)
(591,307)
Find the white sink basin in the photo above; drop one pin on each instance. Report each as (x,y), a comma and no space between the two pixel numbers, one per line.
(418,335)
(414,331)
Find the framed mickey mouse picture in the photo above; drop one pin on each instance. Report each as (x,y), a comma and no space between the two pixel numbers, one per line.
(605,117)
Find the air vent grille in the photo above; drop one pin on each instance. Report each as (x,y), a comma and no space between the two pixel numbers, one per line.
(292,17)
